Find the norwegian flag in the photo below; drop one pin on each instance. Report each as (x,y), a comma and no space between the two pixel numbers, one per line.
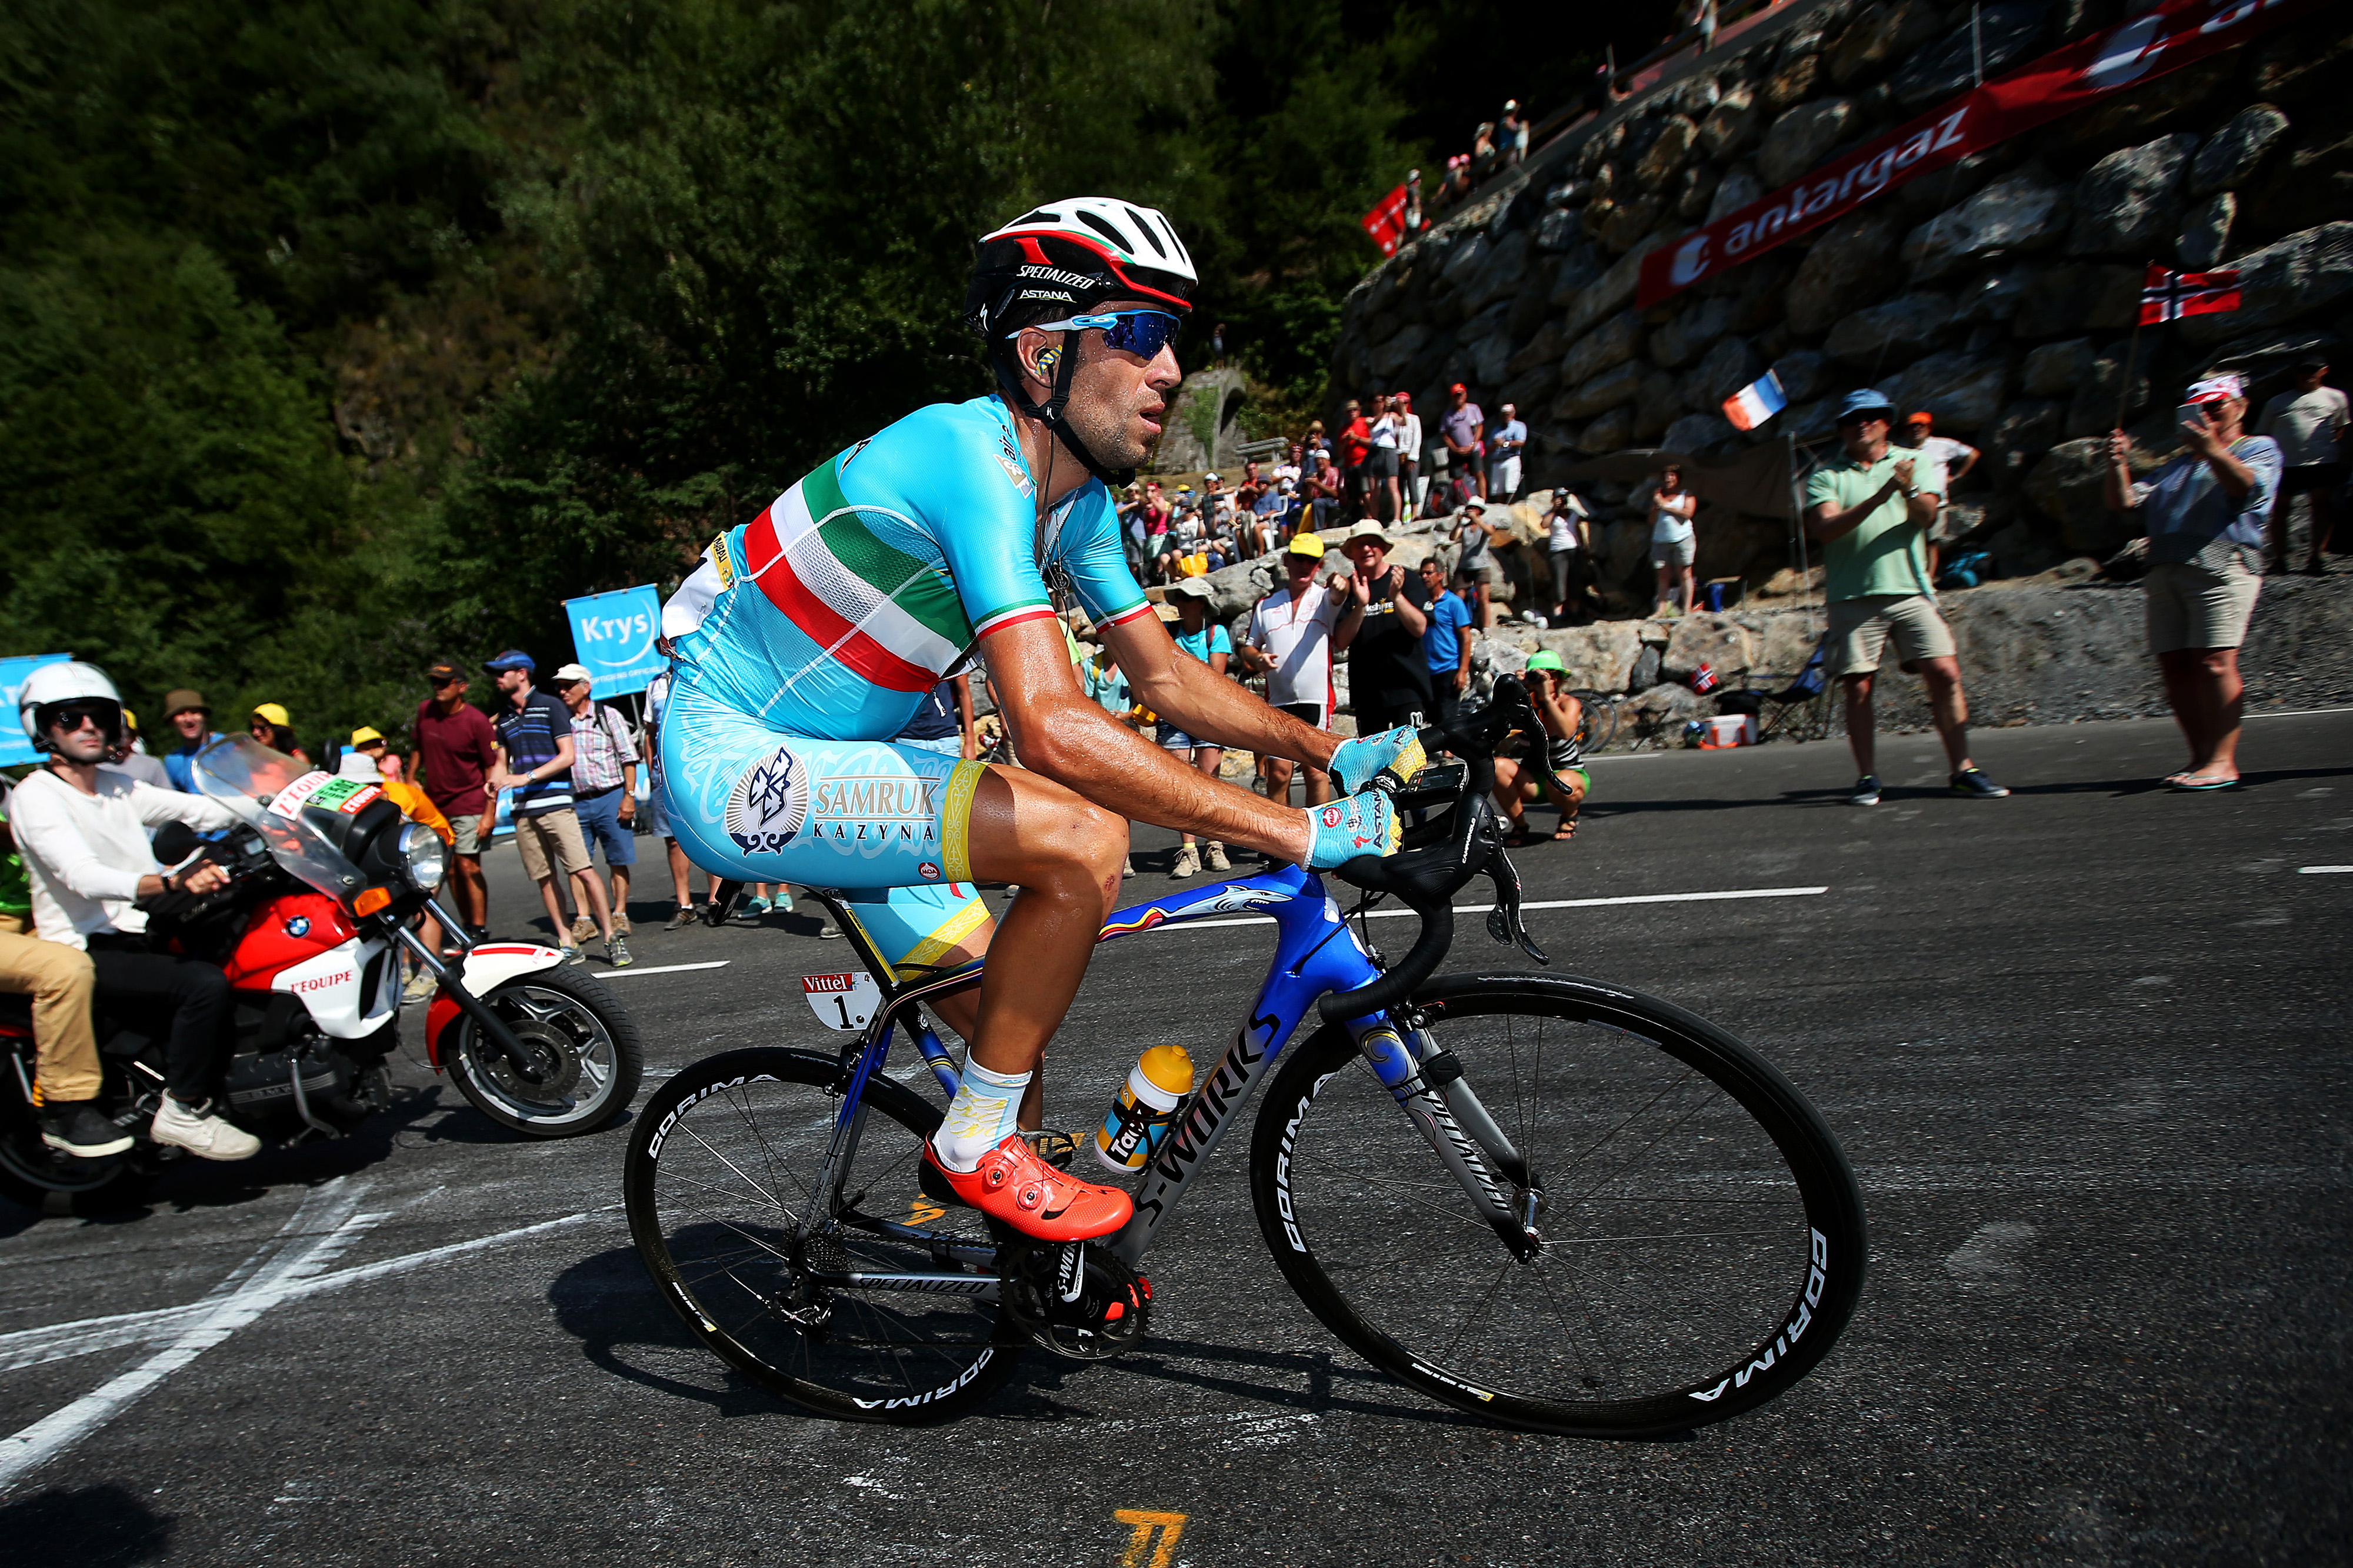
(2168,296)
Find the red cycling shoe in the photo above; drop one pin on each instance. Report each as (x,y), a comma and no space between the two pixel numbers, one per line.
(1013,1184)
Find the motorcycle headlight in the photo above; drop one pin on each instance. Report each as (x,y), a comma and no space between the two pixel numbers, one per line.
(422,858)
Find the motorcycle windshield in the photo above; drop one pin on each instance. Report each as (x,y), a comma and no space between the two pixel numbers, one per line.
(276,796)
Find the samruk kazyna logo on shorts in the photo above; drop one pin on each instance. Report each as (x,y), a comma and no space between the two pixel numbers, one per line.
(875,812)
(768,805)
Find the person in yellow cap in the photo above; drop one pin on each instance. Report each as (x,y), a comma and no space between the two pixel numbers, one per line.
(1293,633)
(274,728)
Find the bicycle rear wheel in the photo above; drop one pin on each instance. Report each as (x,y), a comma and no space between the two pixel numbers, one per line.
(1701,1233)
(1599,726)
(877,1305)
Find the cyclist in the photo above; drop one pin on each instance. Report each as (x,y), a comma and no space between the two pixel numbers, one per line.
(807,637)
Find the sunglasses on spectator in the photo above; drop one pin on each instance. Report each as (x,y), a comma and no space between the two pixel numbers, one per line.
(1143,333)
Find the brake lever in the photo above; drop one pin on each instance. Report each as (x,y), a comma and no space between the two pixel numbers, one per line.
(1505,922)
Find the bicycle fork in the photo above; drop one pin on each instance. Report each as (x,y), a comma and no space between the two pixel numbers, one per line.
(1428,1086)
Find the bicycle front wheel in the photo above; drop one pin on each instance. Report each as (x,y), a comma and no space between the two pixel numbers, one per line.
(1700,1235)
(872,1303)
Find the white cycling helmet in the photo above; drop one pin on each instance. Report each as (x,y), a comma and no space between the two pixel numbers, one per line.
(55,684)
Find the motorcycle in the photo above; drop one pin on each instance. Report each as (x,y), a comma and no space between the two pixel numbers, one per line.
(324,875)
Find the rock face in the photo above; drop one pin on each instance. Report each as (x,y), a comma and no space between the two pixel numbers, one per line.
(1997,292)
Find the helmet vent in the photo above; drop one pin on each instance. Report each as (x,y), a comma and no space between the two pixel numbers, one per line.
(1039,215)
(1106,230)
(1145,225)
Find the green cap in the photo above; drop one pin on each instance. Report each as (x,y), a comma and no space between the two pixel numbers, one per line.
(1545,659)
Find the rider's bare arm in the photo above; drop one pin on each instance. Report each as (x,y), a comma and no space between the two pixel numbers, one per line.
(1206,705)
(1063,736)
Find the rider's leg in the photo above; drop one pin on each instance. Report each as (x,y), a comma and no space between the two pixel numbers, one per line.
(59,981)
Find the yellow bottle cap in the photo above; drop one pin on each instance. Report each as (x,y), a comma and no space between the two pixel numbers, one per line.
(1169,1068)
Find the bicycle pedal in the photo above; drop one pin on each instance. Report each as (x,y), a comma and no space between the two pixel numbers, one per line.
(1077,1299)
(1057,1147)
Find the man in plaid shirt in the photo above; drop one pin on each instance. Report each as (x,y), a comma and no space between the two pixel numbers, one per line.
(604,790)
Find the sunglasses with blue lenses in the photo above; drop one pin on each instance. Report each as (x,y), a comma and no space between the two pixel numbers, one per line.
(1143,333)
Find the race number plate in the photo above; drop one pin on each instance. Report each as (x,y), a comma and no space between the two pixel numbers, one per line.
(842,1001)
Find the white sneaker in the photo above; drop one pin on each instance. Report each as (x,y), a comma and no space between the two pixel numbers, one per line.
(1187,863)
(206,1136)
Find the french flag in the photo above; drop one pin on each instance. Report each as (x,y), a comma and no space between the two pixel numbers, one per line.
(1755,403)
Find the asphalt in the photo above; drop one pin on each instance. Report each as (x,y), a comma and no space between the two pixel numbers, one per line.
(2086,1047)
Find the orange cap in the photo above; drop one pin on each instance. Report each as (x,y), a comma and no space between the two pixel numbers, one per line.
(1923,418)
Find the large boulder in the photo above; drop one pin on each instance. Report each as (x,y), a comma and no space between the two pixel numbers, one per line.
(2292,277)
(2020,213)
(1614,431)
(1505,265)
(1598,657)
(1618,384)
(1802,373)
(1799,138)
(2205,236)
(2067,487)
(1666,155)
(1723,369)
(2068,299)
(1711,639)
(1895,332)
(1732,125)
(1612,344)
(2017,441)
(2056,370)
(1614,290)
(1387,360)
(1964,391)
(1695,433)
(1666,708)
(1847,266)
(1739,187)
(2231,153)
(2128,202)
(1688,335)
(1658,403)
(1547,345)
(1880,35)
(2006,32)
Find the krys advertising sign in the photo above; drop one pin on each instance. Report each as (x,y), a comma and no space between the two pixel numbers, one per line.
(613,634)
(2164,38)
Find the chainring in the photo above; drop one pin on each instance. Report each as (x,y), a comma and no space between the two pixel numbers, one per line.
(1105,1316)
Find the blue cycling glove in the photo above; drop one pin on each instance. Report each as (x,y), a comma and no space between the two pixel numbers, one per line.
(1361,824)
(1354,762)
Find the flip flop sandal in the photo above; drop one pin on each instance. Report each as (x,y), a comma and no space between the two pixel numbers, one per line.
(2188,784)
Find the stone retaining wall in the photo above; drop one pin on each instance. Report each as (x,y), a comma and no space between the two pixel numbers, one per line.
(1996,294)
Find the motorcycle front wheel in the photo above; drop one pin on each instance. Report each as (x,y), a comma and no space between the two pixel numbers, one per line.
(585,1056)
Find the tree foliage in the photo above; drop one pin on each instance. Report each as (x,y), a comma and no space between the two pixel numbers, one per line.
(335,334)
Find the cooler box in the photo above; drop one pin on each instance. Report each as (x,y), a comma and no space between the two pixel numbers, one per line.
(1727,730)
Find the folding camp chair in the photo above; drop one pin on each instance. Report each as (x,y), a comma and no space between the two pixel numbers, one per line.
(1799,710)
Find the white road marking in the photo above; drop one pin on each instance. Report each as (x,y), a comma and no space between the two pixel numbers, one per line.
(1546,904)
(2300,713)
(86,1336)
(331,1206)
(659,969)
(2322,870)
(1986,1263)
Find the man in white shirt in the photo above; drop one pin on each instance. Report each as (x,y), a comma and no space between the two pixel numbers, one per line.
(1951,460)
(1293,633)
(82,831)
(2307,424)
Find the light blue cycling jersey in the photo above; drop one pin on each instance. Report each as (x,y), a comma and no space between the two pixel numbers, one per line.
(809,636)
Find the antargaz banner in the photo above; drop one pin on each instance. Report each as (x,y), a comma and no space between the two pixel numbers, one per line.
(2171,36)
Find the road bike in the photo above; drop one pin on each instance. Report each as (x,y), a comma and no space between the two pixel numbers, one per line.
(1549,1201)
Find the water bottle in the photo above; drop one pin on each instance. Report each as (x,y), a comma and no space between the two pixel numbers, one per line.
(1146,1108)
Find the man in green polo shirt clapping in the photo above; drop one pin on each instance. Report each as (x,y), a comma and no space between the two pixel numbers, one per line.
(1872,512)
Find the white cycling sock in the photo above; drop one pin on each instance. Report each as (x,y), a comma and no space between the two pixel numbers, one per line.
(979,1116)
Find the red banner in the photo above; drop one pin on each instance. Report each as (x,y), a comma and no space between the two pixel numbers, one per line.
(2173,35)
(1386,222)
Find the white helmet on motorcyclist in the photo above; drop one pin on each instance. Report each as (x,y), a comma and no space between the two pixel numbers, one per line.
(53,687)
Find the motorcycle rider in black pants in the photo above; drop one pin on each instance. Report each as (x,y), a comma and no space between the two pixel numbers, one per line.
(82,833)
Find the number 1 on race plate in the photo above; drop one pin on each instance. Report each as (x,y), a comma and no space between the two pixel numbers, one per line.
(841,1001)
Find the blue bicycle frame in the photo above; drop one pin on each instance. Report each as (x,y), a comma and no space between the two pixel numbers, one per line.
(1315,952)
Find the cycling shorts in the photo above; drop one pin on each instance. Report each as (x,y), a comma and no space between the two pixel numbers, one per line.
(749,801)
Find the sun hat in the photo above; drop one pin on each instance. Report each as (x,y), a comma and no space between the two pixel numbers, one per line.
(1195,587)
(572,672)
(1545,659)
(1864,400)
(275,712)
(1307,544)
(1374,531)
(181,700)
